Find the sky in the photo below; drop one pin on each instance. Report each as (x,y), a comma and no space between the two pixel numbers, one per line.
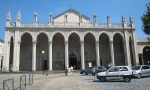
(102,8)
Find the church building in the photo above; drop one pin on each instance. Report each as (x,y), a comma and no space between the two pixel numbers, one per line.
(68,39)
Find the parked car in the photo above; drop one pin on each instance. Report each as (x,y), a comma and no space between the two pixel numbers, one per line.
(116,73)
(98,69)
(141,71)
(92,70)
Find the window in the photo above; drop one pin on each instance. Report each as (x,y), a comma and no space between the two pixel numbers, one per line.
(124,69)
(114,69)
(145,67)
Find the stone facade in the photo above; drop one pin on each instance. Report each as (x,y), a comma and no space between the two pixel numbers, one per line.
(1,52)
(68,39)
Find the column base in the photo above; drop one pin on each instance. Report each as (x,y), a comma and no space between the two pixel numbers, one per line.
(15,69)
(5,69)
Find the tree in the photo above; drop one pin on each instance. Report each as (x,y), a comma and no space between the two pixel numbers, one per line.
(146,20)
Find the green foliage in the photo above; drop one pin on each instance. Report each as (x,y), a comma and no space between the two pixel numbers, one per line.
(146,20)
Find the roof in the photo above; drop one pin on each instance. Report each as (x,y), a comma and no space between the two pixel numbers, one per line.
(74,11)
(143,40)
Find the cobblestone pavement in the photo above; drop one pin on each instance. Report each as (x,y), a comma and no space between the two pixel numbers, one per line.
(77,82)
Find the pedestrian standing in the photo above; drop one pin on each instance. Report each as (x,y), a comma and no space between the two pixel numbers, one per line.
(66,71)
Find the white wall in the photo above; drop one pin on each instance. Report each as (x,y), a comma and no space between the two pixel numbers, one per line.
(71,17)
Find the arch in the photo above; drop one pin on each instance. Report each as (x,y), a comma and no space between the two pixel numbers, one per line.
(11,53)
(58,50)
(26,52)
(104,48)
(119,55)
(74,48)
(55,33)
(41,32)
(74,32)
(25,33)
(89,32)
(89,49)
(119,33)
(41,58)
(104,33)
(146,55)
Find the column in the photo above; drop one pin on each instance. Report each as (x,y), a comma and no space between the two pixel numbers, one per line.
(66,55)
(82,56)
(50,56)
(135,49)
(6,57)
(18,56)
(127,50)
(112,52)
(97,54)
(33,56)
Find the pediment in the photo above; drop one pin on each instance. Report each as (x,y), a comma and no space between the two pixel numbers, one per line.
(72,16)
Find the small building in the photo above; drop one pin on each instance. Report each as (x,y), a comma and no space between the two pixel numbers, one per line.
(143,47)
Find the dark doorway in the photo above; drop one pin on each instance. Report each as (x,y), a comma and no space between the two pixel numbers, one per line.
(73,61)
(146,55)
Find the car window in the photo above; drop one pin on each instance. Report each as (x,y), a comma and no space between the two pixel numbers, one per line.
(114,69)
(136,67)
(145,67)
(124,69)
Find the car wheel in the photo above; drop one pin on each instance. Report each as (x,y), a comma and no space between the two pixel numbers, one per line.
(127,79)
(139,76)
(102,79)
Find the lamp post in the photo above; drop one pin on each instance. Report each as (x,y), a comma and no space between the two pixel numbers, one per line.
(42,57)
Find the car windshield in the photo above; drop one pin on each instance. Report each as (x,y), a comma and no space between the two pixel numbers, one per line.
(136,67)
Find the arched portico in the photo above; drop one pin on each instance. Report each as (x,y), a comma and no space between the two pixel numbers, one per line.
(104,45)
(26,52)
(74,49)
(11,53)
(119,56)
(58,50)
(89,49)
(42,45)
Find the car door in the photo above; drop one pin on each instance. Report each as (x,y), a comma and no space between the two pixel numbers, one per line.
(113,73)
(145,71)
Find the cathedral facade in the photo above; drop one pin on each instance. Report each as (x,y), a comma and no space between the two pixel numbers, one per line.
(68,39)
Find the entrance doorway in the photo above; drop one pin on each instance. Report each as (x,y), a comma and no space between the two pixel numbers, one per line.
(73,61)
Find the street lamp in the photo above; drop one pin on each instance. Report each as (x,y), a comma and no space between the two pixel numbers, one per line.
(42,57)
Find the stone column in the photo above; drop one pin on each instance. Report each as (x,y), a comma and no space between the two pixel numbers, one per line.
(97,54)
(82,56)
(127,50)
(112,52)
(50,56)
(66,55)
(18,56)
(33,56)
(135,48)
(6,57)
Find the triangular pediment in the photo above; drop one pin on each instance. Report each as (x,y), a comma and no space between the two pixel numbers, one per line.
(72,16)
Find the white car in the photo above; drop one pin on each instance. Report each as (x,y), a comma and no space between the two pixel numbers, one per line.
(141,71)
(116,73)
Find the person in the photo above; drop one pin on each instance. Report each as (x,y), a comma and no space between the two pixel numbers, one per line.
(66,71)
(71,69)
(94,72)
